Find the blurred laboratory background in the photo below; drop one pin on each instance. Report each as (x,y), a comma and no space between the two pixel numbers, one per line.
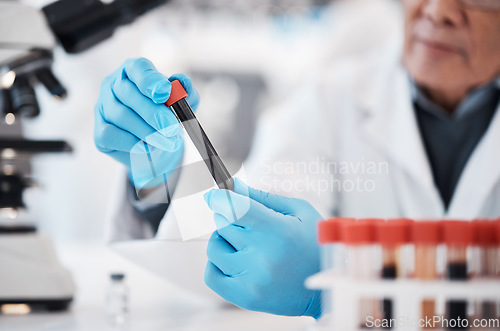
(242,55)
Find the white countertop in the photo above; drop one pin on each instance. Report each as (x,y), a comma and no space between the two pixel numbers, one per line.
(154,303)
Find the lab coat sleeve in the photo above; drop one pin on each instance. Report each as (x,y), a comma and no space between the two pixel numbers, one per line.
(124,224)
(293,147)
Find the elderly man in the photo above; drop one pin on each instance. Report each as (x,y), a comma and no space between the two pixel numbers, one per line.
(410,131)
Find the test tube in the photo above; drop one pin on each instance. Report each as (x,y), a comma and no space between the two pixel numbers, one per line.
(486,263)
(426,237)
(333,256)
(458,237)
(182,110)
(359,238)
(392,236)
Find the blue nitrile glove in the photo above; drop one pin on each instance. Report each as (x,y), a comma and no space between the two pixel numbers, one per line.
(264,249)
(130,111)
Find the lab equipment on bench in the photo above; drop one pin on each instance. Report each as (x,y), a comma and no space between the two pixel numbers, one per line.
(428,296)
(117,298)
(30,272)
(177,102)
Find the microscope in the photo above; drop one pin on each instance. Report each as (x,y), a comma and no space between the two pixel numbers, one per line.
(30,273)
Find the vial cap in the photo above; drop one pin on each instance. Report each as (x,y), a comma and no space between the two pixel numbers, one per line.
(117,276)
(329,230)
(458,232)
(357,233)
(177,93)
(426,232)
(393,232)
(485,232)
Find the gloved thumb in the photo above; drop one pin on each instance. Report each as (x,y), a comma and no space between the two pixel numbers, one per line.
(278,203)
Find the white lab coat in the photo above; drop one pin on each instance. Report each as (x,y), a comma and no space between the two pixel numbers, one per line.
(361,112)
(357,117)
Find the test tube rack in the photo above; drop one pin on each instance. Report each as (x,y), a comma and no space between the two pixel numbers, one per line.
(407,295)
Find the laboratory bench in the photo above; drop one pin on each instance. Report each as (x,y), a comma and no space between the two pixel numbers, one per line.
(154,303)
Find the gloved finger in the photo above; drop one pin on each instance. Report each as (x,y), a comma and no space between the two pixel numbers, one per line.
(108,137)
(148,80)
(224,256)
(278,203)
(215,278)
(238,209)
(158,116)
(193,97)
(113,111)
(229,288)
(233,234)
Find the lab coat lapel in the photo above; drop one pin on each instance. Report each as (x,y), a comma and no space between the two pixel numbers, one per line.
(391,125)
(480,175)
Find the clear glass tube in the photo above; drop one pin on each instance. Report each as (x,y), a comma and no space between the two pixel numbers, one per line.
(361,266)
(425,268)
(457,270)
(333,259)
(326,262)
(486,267)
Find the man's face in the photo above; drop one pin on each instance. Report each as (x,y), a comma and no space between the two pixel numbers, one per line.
(450,45)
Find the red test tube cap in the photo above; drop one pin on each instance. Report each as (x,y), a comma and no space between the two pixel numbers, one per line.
(456,232)
(178,92)
(329,230)
(357,233)
(485,232)
(426,232)
(393,232)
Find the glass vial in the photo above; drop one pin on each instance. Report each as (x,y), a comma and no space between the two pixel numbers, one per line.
(426,236)
(458,237)
(117,300)
(485,251)
(333,256)
(359,239)
(393,237)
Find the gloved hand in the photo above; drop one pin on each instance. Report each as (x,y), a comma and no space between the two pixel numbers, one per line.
(264,249)
(133,126)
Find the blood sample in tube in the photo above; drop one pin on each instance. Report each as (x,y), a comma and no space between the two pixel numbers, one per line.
(458,237)
(426,237)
